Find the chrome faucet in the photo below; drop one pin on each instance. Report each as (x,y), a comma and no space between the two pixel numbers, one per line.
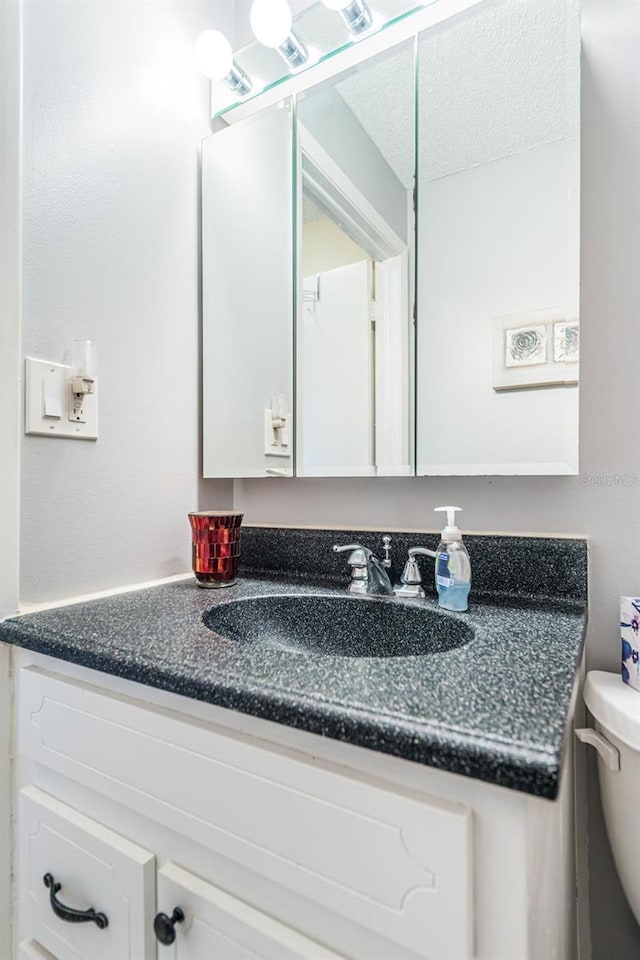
(368,573)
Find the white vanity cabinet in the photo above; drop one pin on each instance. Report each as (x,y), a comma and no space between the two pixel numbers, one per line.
(243,839)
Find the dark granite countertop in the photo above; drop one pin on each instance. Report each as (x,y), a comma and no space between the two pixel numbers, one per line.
(495,708)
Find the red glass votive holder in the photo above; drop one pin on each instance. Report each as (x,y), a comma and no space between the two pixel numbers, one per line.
(215,542)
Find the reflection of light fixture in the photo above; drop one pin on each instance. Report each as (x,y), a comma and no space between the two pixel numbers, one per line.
(271,23)
(356,14)
(214,57)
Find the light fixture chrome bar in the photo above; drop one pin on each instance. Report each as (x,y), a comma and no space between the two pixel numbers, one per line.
(357,17)
(293,51)
(376,41)
(238,81)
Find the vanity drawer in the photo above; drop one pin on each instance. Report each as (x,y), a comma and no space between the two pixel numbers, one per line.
(393,862)
(96,868)
(217,926)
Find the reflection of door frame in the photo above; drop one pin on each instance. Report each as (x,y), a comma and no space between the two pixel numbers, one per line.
(339,197)
(345,204)
(392,391)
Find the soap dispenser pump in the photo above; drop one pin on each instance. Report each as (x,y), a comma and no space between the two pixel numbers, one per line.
(453,567)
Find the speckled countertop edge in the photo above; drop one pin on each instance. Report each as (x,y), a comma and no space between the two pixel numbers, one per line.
(496,710)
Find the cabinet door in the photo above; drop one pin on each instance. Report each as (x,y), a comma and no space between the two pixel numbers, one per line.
(217,926)
(96,868)
(31,950)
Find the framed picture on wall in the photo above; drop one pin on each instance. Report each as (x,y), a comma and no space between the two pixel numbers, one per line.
(537,349)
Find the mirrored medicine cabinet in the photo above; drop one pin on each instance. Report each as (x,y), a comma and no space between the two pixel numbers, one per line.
(390,258)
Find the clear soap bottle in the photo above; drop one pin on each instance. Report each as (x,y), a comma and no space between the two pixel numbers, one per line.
(453,567)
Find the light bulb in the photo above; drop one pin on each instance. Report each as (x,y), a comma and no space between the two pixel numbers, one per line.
(213,54)
(355,13)
(271,21)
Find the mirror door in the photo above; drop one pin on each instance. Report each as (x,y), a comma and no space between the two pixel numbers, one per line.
(354,325)
(247,293)
(498,240)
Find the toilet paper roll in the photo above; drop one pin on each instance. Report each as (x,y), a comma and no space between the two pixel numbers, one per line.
(630,636)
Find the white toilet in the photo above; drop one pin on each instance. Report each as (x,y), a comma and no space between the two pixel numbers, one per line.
(616,710)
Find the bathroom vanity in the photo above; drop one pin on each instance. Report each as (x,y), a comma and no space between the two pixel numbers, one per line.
(216,794)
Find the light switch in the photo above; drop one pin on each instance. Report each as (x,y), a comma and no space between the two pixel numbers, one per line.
(276,439)
(49,406)
(52,399)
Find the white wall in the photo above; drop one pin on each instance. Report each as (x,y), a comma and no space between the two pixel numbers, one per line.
(10,336)
(114,112)
(603,501)
(498,239)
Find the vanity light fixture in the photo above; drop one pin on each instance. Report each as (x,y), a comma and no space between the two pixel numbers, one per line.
(271,22)
(355,13)
(214,56)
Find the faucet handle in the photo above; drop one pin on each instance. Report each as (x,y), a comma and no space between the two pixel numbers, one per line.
(358,560)
(411,579)
(421,552)
(359,554)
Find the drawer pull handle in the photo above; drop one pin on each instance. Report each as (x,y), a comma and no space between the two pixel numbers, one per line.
(68,913)
(164,927)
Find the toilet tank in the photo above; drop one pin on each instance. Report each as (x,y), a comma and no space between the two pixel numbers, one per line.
(616,710)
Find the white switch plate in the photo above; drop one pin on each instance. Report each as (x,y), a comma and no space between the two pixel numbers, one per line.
(52,399)
(272,449)
(36,372)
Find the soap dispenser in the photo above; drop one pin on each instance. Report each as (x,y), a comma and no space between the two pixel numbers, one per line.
(453,567)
